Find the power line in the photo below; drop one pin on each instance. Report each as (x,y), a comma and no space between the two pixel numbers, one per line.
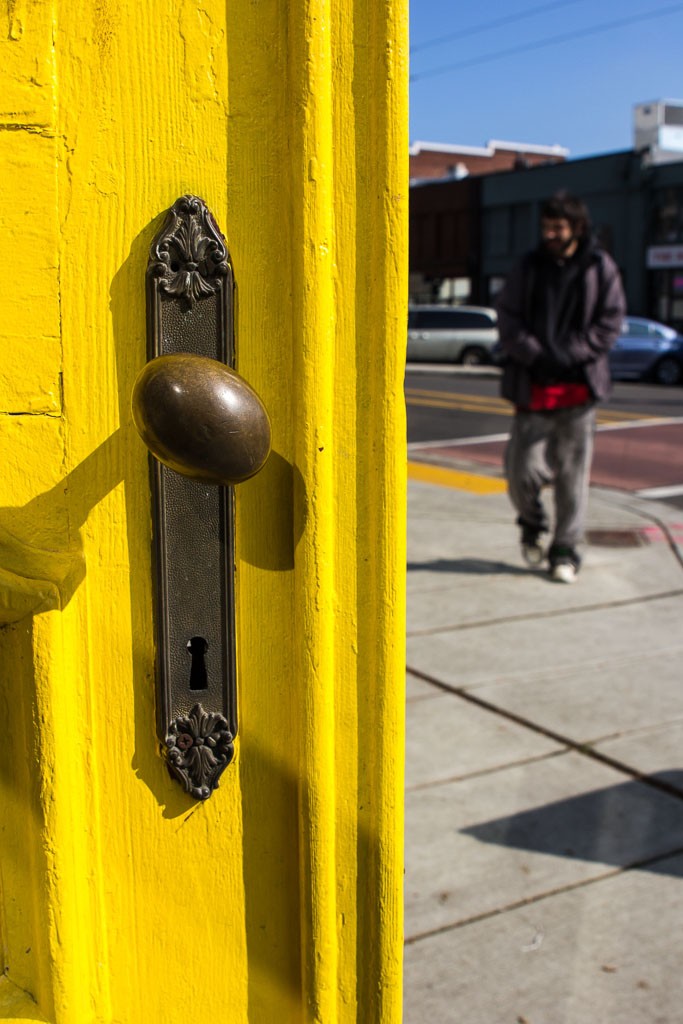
(488,25)
(550,41)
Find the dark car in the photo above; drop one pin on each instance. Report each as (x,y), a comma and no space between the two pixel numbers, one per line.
(451,334)
(647,350)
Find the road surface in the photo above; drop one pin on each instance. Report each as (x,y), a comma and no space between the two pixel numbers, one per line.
(457,420)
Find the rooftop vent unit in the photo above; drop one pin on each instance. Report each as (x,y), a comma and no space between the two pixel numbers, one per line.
(658,128)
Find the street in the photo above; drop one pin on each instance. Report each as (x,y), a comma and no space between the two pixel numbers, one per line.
(458,419)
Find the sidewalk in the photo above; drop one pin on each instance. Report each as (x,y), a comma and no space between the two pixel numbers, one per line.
(544,802)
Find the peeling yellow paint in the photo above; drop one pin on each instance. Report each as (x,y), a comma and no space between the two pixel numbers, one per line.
(16,13)
(26,59)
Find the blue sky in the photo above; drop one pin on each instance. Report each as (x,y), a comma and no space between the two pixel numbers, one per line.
(579,92)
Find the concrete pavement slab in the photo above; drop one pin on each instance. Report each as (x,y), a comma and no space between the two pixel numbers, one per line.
(579,640)
(662,514)
(485,844)
(656,751)
(449,507)
(417,689)
(600,701)
(447,538)
(605,501)
(608,953)
(451,591)
(462,541)
(546,834)
(448,738)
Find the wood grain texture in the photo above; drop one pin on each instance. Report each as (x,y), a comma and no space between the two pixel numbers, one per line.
(280,898)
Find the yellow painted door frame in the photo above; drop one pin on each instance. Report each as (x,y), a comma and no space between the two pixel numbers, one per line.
(280,898)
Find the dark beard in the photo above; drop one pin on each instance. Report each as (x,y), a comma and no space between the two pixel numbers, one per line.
(558,250)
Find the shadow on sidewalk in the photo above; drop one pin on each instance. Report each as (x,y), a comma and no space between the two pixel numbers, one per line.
(622,825)
(471,566)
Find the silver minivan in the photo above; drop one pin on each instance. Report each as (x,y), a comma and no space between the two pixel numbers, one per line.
(451,334)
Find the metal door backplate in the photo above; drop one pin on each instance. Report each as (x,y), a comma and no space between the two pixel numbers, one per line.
(190,309)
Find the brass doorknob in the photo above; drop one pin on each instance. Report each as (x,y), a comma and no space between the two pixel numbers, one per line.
(201,418)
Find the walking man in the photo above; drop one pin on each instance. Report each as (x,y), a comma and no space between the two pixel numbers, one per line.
(559,313)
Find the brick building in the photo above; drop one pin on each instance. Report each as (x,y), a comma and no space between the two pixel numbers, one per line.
(430,160)
(445,231)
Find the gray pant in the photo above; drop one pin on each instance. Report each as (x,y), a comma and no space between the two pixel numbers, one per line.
(552,447)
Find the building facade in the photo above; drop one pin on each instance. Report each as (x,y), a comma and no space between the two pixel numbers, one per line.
(445,242)
(636,206)
(637,213)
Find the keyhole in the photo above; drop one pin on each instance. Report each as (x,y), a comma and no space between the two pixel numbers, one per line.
(197,647)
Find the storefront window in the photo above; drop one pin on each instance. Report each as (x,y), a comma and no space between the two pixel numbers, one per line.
(667,297)
(668,216)
(676,311)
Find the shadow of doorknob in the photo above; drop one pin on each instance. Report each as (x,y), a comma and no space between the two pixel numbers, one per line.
(200,418)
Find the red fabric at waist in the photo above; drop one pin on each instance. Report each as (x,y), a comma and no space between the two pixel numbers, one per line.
(545,397)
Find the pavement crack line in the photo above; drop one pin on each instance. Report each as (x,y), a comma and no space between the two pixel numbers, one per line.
(551,614)
(580,748)
(540,897)
(482,772)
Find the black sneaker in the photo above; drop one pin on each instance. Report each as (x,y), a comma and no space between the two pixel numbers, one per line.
(533,551)
(564,563)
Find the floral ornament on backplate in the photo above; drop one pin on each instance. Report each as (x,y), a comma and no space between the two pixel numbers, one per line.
(190,255)
(199,747)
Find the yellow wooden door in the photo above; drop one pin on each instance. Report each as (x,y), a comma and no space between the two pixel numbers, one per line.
(279,899)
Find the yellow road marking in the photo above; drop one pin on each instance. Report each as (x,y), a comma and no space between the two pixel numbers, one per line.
(438,393)
(480,406)
(614,416)
(418,396)
(499,407)
(472,482)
